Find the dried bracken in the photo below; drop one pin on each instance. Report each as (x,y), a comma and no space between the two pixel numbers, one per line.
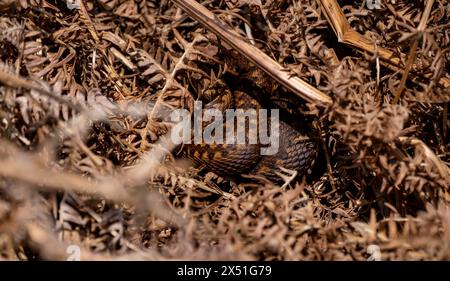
(86,158)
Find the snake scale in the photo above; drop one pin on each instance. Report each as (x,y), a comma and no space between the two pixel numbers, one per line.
(296,151)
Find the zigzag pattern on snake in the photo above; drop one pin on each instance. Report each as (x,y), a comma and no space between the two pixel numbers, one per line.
(296,151)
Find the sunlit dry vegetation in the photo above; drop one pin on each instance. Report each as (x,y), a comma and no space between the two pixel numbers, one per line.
(85,157)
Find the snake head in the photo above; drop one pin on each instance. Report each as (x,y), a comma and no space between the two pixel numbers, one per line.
(215,89)
(217,95)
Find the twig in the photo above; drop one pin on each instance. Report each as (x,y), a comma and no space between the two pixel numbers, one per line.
(28,168)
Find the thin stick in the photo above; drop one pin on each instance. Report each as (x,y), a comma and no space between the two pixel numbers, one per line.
(409,63)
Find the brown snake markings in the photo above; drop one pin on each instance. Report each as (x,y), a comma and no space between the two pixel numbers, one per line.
(296,151)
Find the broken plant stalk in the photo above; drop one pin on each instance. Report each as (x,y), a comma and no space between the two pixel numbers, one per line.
(347,35)
(255,55)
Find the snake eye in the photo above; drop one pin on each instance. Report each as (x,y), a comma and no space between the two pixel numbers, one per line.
(214,89)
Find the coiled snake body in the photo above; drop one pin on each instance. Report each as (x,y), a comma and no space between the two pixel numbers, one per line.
(296,151)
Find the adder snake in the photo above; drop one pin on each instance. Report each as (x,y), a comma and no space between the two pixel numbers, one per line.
(295,151)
